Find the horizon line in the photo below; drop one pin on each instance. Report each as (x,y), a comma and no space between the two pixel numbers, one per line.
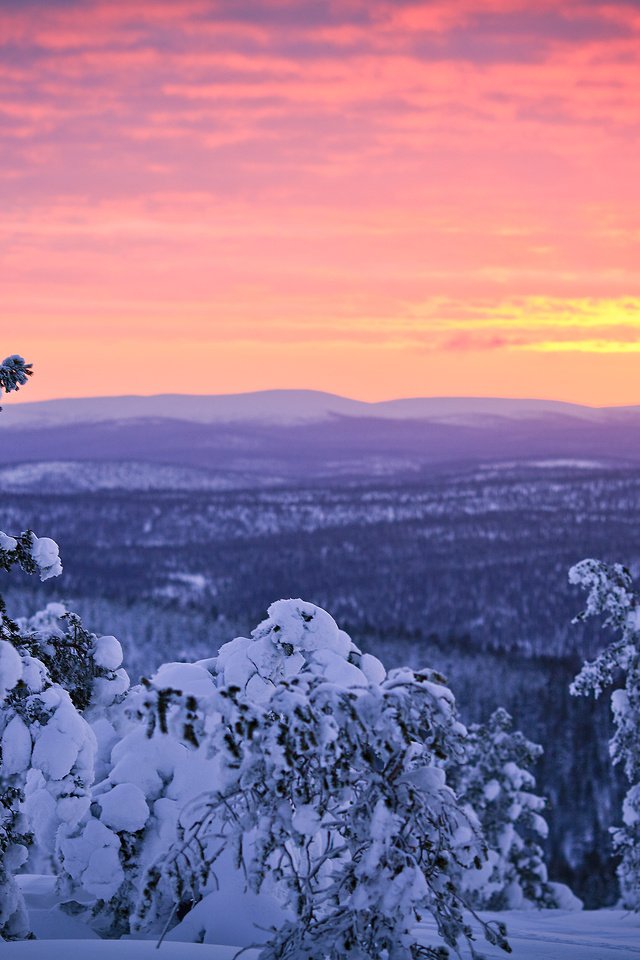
(15,399)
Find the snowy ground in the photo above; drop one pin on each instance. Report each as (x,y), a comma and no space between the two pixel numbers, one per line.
(117,950)
(568,935)
(534,935)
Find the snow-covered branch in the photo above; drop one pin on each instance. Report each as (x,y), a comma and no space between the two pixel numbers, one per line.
(32,554)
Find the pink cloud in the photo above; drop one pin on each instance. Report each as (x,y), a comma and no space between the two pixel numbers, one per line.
(284,169)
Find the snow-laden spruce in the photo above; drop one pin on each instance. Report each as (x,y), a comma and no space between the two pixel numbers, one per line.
(326,794)
(611,595)
(53,674)
(494,779)
(156,765)
(291,766)
(14,373)
(28,704)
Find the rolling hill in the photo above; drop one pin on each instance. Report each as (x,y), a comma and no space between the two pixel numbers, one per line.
(280,436)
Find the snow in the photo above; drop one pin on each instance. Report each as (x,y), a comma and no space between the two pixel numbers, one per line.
(491,790)
(296,634)
(7,543)
(15,747)
(230,916)
(335,669)
(118,950)
(71,476)
(44,551)
(534,935)
(197,581)
(372,668)
(136,766)
(306,820)
(429,779)
(123,808)
(565,935)
(99,872)
(10,667)
(60,741)
(188,678)
(631,806)
(565,899)
(106,838)
(107,653)
(633,619)
(304,626)
(571,464)
(106,690)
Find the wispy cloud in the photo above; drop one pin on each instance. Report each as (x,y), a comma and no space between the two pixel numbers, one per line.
(423,177)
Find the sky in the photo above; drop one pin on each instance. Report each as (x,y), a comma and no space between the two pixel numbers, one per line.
(378,199)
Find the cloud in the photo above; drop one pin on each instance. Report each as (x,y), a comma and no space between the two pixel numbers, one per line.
(586,346)
(456,177)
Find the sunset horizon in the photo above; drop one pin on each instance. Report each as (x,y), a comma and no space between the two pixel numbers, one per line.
(319,445)
(373,199)
(19,398)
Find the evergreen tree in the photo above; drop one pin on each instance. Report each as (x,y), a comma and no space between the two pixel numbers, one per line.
(329,793)
(14,373)
(610,594)
(51,670)
(494,780)
(155,766)
(29,703)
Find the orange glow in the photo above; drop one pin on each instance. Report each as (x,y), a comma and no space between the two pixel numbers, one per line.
(377,199)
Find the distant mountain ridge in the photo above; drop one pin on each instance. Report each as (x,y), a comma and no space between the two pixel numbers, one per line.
(285,436)
(286,407)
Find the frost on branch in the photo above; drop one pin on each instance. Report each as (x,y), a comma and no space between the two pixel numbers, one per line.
(32,554)
(14,373)
(494,780)
(329,793)
(611,596)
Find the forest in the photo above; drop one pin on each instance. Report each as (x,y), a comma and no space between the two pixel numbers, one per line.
(464,571)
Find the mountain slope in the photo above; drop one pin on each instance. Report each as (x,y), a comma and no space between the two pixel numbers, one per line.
(287,407)
(291,435)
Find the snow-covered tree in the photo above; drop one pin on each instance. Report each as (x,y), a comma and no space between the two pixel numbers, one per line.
(494,780)
(329,793)
(14,837)
(57,684)
(611,596)
(155,766)
(14,373)
(51,670)
(28,703)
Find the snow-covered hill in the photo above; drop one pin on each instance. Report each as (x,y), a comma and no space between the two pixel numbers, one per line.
(255,438)
(288,407)
(73,476)
(269,406)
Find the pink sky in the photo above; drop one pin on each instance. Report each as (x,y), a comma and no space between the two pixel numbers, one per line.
(376,199)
